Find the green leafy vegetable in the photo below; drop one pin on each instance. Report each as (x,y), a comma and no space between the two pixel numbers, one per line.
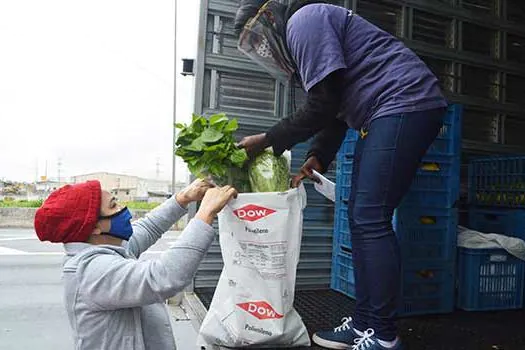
(269,173)
(238,178)
(208,148)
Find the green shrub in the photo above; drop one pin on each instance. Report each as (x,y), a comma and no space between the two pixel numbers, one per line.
(23,203)
(140,205)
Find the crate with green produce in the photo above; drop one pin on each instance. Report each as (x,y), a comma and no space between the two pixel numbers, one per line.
(497,181)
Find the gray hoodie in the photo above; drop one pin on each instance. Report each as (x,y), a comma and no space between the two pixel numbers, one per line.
(115,301)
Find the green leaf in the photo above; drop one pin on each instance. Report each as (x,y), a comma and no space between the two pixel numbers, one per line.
(231,126)
(193,162)
(217,170)
(182,152)
(216,147)
(196,145)
(220,126)
(238,157)
(195,118)
(198,124)
(211,135)
(185,138)
(218,118)
(197,170)
(209,148)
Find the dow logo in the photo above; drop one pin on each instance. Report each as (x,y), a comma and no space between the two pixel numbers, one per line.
(260,309)
(252,212)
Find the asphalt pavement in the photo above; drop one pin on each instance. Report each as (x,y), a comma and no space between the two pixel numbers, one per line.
(32,314)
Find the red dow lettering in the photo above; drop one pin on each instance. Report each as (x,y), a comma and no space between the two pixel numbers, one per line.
(252,212)
(260,309)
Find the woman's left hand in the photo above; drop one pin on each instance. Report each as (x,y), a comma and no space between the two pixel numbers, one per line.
(193,192)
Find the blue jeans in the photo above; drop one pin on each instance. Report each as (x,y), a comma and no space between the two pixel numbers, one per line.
(386,161)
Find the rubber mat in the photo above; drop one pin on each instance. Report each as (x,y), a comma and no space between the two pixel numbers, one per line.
(501,330)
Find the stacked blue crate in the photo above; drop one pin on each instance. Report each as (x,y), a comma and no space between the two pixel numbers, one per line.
(492,279)
(344,168)
(489,279)
(425,224)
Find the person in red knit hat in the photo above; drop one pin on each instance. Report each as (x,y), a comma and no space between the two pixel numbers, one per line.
(113,299)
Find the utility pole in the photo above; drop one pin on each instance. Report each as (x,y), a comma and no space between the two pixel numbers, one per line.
(173,175)
(36,170)
(157,170)
(59,168)
(45,174)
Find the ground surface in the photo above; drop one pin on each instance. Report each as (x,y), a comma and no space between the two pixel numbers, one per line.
(32,314)
(457,331)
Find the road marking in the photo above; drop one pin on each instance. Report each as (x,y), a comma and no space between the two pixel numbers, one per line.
(11,251)
(17,238)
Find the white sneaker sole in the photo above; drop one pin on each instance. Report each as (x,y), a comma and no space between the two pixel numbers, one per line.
(329,344)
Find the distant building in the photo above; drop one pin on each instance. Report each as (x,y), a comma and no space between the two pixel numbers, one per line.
(157,197)
(19,191)
(48,185)
(129,188)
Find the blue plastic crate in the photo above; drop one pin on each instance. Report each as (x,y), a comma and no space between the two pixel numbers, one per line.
(510,222)
(344,169)
(489,279)
(437,198)
(342,193)
(343,180)
(448,141)
(342,228)
(344,157)
(426,234)
(436,183)
(437,172)
(427,288)
(497,181)
(347,148)
(342,279)
(349,143)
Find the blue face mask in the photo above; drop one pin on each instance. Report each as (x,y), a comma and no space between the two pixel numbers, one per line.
(120,224)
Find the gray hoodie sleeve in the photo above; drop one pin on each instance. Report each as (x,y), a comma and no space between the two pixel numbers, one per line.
(147,231)
(110,282)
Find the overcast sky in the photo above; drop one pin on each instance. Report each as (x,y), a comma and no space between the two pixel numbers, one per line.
(91,83)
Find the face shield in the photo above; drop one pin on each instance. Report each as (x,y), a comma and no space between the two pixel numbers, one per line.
(261,41)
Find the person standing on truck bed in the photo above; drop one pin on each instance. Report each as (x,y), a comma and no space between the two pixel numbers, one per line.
(356,76)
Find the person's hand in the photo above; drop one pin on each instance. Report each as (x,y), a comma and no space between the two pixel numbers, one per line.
(254,145)
(214,200)
(193,192)
(312,163)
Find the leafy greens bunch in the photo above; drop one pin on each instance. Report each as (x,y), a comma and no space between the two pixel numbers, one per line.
(208,146)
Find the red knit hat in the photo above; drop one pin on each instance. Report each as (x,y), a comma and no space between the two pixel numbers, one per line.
(69,214)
